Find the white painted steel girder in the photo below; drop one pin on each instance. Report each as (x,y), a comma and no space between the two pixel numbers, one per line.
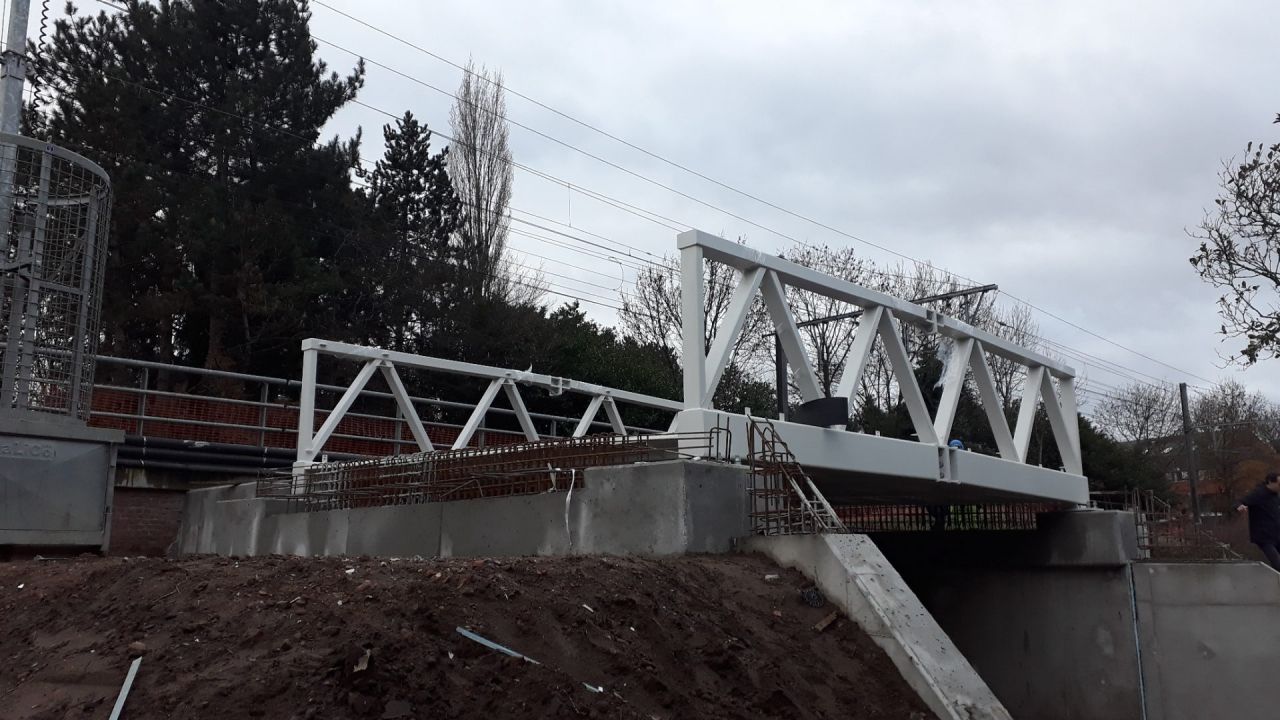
(501,380)
(769,276)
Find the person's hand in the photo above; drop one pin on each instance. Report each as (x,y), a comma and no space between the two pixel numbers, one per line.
(1242,508)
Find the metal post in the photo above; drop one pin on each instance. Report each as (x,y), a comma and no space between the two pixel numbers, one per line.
(142,402)
(780,376)
(395,442)
(14,71)
(1191,457)
(693,325)
(264,397)
(307,406)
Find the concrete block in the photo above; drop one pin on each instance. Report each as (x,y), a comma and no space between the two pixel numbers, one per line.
(657,508)
(1086,538)
(243,527)
(1209,635)
(396,531)
(504,526)
(634,509)
(852,573)
(716,505)
(306,533)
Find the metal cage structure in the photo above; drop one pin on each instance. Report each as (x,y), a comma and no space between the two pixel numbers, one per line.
(55,209)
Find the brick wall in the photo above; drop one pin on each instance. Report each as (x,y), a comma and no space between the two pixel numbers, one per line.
(144,521)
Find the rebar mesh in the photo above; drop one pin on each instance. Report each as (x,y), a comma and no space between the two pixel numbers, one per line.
(446,475)
(896,517)
(54,218)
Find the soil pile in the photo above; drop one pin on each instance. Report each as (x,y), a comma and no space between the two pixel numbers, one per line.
(691,637)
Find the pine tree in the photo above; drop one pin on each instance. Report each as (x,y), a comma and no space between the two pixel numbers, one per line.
(234,232)
(417,213)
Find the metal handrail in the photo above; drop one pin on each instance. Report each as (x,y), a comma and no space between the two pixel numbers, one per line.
(289,383)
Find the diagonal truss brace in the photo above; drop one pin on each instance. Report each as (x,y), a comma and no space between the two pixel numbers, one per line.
(969,354)
(722,348)
(508,386)
(335,415)
(879,321)
(1060,407)
(407,409)
(593,409)
(775,301)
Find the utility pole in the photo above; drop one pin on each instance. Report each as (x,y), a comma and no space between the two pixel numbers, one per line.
(13,72)
(1191,456)
(780,363)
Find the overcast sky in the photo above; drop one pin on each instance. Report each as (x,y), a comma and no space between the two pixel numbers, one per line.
(1059,150)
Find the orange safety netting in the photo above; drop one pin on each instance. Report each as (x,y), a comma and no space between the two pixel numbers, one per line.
(212,419)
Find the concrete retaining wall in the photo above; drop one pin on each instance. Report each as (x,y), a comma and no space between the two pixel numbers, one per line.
(1053,643)
(650,509)
(854,575)
(1210,639)
(1056,637)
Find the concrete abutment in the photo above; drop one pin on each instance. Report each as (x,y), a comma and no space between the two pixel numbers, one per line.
(1059,622)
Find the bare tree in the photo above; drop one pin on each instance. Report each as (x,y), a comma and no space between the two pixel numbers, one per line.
(481,171)
(651,314)
(1239,251)
(1140,413)
(920,281)
(828,343)
(1233,427)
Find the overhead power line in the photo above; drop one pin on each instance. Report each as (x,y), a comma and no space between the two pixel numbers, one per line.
(1109,341)
(696,173)
(641,212)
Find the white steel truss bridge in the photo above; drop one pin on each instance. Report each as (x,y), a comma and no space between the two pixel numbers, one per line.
(847,466)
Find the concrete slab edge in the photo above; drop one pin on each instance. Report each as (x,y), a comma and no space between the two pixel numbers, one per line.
(851,571)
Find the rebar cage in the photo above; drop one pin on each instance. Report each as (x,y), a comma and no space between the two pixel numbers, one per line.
(55,211)
(482,472)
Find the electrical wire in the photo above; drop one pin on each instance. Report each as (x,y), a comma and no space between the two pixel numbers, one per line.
(696,173)
(645,214)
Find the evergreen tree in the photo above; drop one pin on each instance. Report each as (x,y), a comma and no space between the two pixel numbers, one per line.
(416,212)
(233,233)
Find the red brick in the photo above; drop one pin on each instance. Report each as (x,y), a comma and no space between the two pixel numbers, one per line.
(144,521)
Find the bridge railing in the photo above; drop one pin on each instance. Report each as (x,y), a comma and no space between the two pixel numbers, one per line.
(1048,382)
(160,400)
(311,440)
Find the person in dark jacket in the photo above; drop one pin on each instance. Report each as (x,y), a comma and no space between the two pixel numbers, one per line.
(1263,505)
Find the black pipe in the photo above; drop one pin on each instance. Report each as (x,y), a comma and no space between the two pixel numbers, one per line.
(229,448)
(211,458)
(174,444)
(188,467)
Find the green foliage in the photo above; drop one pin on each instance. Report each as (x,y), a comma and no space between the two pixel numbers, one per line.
(230,239)
(1110,465)
(413,276)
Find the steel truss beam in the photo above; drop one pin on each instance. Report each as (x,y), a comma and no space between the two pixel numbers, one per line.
(770,276)
(501,380)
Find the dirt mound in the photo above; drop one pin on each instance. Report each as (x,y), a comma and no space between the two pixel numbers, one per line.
(705,637)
